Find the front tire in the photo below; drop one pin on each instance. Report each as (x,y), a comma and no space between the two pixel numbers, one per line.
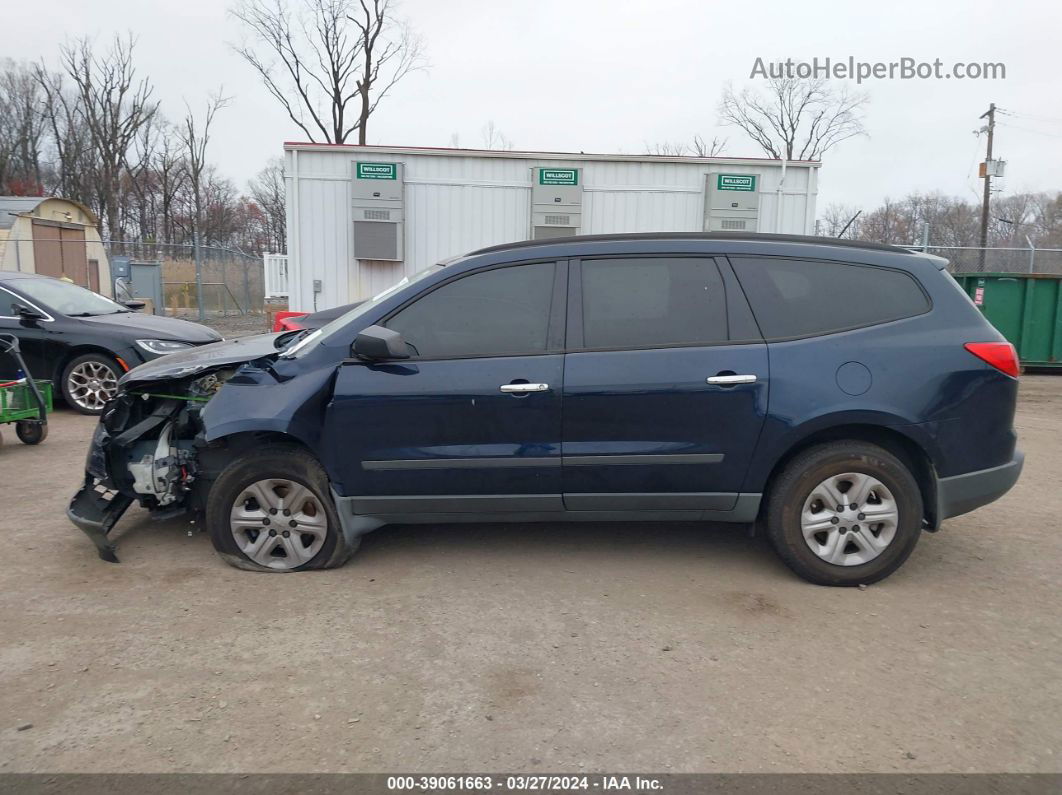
(89,381)
(844,513)
(272,510)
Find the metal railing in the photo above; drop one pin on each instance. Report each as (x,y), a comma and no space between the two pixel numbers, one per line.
(275,270)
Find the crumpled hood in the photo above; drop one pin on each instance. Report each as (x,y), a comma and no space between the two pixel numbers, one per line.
(185,364)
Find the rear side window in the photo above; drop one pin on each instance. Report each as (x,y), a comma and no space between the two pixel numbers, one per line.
(801,298)
(499,312)
(642,302)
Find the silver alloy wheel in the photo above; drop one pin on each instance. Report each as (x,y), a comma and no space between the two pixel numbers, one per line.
(849,519)
(278,523)
(92,384)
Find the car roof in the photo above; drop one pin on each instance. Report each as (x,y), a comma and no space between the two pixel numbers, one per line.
(730,237)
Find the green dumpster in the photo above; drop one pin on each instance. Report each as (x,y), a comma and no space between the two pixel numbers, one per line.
(1026,308)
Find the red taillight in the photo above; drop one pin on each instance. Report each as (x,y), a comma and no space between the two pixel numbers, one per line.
(1000,355)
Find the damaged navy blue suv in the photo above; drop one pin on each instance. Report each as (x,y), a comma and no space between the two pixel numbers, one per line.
(843,397)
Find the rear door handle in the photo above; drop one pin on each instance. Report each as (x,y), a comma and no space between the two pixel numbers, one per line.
(523,389)
(730,380)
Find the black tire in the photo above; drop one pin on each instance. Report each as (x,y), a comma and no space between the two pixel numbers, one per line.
(31,432)
(803,475)
(67,388)
(278,462)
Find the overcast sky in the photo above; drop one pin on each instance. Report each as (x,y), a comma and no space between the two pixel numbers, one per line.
(612,76)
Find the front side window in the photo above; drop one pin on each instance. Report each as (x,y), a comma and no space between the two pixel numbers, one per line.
(800,298)
(642,302)
(500,312)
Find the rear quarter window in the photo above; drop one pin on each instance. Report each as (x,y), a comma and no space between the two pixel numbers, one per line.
(802,298)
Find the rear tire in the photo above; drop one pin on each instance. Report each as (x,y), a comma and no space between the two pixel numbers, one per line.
(272,510)
(854,546)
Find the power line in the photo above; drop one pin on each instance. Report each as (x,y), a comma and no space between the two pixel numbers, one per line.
(1030,116)
(1030,130)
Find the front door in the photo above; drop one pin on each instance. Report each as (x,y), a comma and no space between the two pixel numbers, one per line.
(661,410)
(471,423)
(39,341)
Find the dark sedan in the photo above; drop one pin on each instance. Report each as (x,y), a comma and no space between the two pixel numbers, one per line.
(82,341)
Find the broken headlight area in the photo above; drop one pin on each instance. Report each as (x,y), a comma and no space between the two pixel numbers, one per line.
(146,449)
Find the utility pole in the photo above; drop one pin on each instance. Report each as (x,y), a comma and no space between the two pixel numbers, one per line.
(991,127)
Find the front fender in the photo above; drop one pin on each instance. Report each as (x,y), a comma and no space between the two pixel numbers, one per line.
(256,400)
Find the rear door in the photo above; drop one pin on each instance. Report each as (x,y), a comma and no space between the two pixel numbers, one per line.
(472,421)
(663,405)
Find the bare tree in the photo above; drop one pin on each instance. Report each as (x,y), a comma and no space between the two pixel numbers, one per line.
(795,119)
(714,148)
(330,62)
(113,105)
(267,191)
(73,166)
(493,138)
(22,129)
(389,51)
(195,135)
(170,177)
(839,220)
(697,147)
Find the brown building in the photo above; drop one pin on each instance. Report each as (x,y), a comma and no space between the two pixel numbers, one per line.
(53,237)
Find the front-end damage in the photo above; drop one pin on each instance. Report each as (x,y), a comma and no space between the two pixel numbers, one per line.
(178,422)
(150,447)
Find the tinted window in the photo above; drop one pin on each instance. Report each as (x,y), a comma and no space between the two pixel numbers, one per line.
(799,298)
(642,302)
(494,313)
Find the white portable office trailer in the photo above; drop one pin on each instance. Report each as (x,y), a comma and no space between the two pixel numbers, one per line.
(362,217)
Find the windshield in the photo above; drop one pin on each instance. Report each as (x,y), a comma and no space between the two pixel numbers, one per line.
(66,298)
(328,329)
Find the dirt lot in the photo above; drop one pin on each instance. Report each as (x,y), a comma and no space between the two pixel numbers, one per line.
(524,648)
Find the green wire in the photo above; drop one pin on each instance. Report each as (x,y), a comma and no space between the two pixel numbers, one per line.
(172,397)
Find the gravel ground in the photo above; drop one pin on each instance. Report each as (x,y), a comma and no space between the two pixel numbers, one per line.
(229,326)
(529,648)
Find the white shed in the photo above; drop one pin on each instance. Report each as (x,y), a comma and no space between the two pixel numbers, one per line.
(53,237)
(362,217)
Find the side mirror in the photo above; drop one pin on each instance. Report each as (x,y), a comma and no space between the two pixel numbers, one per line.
(134,305)
(27,314)
(377,343)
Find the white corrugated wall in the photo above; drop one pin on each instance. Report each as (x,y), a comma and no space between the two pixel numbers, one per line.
(455,203)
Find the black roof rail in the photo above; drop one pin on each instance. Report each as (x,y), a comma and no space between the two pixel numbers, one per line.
(751,237)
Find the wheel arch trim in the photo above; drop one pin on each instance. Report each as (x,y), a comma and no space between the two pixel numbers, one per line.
(912,443)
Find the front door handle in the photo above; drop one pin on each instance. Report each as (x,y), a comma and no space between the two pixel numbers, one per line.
(730,380)
(523,389)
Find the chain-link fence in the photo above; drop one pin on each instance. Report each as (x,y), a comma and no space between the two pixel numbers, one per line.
(967,259)
(233,281)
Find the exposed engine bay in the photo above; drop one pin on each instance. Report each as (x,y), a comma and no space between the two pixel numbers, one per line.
(152,445)
(149,448)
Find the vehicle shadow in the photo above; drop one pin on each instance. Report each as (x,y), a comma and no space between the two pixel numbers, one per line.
(549,541)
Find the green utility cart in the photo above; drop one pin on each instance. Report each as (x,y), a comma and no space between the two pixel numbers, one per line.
(24,402)
(1027,310)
